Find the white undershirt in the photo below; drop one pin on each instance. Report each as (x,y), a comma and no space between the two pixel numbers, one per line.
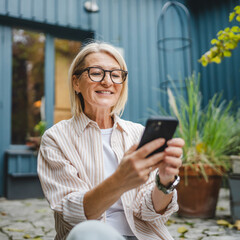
(115,215)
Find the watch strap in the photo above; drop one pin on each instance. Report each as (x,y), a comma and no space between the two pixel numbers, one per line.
(169,189)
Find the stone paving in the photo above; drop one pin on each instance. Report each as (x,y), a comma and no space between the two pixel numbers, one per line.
(33,219)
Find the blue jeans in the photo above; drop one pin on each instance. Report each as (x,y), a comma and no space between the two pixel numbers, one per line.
(96,230)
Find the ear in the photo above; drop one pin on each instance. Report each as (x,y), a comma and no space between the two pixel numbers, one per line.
(75,82)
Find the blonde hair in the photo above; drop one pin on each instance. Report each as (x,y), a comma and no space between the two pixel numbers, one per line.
(78,64)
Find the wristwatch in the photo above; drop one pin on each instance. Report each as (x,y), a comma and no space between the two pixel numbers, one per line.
(169,189)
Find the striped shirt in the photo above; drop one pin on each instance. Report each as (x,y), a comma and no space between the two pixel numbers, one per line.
(70,163)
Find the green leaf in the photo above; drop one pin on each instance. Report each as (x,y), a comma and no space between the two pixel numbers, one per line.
(14,230)
(203,61)
(217,60)
(214,41)
(27,236)
(221,37)
(238,18)
(223,222)
(237,224)
(170,222)
(221,208)
(42,210)
(230,45)
(182,230)
(231,16)
(237,8)
(227,54)
(235,29)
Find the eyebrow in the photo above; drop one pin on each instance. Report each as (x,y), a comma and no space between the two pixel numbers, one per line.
(110,68)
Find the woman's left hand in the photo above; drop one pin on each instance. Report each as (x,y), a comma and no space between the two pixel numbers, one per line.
(169,167)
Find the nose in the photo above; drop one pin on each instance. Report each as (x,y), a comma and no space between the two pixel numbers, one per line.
(107,79)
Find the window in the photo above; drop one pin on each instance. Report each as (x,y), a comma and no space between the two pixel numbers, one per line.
(65,52)
(27,83)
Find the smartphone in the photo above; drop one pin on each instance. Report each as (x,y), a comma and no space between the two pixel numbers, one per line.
(159,127)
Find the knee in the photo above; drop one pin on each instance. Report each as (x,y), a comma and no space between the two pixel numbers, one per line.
(94,230)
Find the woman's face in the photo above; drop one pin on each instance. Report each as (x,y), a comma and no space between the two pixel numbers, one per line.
(98,95)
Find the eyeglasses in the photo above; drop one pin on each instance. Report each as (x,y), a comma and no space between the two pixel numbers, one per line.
(97,74)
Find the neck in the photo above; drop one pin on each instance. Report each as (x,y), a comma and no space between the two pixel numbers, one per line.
(102,118)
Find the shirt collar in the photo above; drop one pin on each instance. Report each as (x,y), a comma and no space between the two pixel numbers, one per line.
(81,122)
(120,124)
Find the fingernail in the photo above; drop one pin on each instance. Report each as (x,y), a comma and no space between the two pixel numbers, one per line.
(161,140)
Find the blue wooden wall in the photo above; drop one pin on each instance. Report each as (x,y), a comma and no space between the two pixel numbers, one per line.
(129,24)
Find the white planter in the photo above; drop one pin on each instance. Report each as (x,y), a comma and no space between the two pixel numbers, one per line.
(235,164)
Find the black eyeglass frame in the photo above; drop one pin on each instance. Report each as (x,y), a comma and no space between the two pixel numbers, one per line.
(79,73)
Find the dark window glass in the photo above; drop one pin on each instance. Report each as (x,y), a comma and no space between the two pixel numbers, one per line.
(27,83)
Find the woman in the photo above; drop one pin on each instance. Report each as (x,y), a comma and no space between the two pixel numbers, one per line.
(89,166)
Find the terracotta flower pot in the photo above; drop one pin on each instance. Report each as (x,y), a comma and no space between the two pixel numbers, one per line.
(198,198)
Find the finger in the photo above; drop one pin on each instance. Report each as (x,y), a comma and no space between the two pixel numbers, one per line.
(174,151)
(173,162)
(148,148)
(171,171)
(176,142)
(153,160)
(131,149)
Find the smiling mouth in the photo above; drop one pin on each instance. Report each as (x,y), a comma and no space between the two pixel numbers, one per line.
(104,92)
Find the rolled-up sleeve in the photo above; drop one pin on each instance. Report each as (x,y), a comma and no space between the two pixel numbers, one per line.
(143,207)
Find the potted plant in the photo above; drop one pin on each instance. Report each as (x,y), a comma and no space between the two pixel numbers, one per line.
(206,132)
(227,40)
(39,129)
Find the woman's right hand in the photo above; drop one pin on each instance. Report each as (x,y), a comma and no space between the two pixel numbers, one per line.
(132,172)
(135,168)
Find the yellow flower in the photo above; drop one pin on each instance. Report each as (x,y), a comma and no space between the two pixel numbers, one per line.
(201,147)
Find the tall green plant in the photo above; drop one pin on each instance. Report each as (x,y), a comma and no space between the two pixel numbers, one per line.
(205,130)
(216,131)
(233,147)
(188,112)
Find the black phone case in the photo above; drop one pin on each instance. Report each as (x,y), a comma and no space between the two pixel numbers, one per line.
(159,127)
